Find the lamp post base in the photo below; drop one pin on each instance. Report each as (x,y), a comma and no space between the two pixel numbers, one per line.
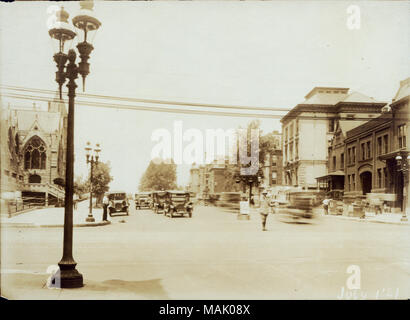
(70,277)
(90,219)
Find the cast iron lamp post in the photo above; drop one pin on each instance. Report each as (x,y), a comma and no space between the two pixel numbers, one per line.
(403,166)
(92,159)
(62,33)
(249,180)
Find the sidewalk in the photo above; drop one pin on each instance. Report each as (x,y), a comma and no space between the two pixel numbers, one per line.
(53,217)
(391,218)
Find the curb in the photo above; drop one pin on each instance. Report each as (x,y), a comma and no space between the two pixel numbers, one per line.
(366,220)
(34,225)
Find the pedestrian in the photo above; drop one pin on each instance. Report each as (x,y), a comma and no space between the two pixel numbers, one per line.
(264,208)
(326,204)
(105,207)
(75,201)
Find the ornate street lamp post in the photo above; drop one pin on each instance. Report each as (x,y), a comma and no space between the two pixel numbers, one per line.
(92,159)
(62,33)
(249,180)
(403,166)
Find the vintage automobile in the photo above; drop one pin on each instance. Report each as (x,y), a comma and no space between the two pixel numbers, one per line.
(300,207)
(118,202)
(142,200)
(159,199)
(178,203)
(229,201)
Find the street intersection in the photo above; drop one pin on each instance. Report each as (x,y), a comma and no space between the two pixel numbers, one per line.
(212,255)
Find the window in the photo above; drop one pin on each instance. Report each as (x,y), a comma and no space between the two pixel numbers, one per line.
(331,125)
(297,149)
(291,151)
(353,182)
(379,178)
(363,151)
(291,131)
(35,154)
(354,154)
(369,153)
(386,177)
(402,135)
(349,156)
(274,160)
(386,143)
(334,162)
(379,146)
(349,183)
(342,161)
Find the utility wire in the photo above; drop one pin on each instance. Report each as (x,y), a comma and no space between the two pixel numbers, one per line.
(178,103)
(171,109)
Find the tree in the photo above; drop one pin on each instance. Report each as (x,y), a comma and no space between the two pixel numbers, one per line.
(80,186)
(101,179)
(158,176)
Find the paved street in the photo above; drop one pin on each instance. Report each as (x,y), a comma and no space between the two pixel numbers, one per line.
(211,256)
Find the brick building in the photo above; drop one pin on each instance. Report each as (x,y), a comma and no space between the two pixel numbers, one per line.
(272,166)
(364,157)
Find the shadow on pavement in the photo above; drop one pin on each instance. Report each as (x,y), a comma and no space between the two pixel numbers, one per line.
(150,289)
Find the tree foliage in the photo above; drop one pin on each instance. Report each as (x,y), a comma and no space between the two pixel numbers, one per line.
(81,186)
(101,178)
(158,176)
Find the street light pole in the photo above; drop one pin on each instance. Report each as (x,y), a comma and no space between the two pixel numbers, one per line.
(403,166)
(62,32)
(69,276)
(92,159)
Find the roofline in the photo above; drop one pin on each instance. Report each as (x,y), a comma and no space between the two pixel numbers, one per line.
(324,88)
(395,103)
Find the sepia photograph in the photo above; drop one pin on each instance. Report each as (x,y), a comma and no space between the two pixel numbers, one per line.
(204,151)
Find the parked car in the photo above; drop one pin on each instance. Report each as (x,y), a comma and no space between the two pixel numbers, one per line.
(118,202)
(178,203)
(142,200)
(158,201)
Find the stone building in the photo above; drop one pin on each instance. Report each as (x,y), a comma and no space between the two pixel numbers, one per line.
(308,128)
(33,147)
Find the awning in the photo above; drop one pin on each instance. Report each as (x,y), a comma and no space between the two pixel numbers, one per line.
(338,173)
(394,154)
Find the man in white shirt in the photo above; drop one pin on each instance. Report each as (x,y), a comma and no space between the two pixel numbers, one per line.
(326,205)
(105,207)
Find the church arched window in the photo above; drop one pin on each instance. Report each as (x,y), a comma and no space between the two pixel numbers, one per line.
(35,156)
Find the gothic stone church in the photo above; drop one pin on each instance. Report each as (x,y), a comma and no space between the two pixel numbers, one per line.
(33,147)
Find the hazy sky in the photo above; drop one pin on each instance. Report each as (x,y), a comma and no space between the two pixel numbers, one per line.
(268,54)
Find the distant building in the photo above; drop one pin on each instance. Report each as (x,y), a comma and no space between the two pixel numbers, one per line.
(272,166)
(33,147)
(207,179)
(308,128)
